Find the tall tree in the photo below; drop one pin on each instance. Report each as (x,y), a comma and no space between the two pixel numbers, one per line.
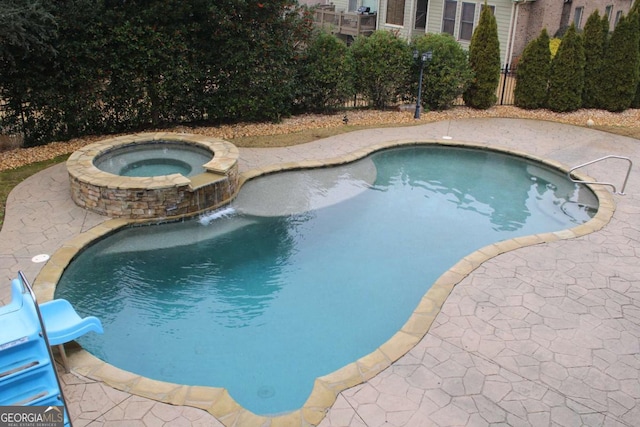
(25,26)
(566,80)
(622,65)
(635,8)
(595,35)
(484,58)
(533,73)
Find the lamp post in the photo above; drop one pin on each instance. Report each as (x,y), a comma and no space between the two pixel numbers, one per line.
(424,57)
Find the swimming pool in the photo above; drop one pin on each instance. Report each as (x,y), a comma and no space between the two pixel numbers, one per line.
(272,302)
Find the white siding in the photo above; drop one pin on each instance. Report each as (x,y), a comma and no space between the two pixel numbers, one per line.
(403,30)
(341,5)
(502,13)
(435,9)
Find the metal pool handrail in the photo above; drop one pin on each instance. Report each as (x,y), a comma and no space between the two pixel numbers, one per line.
(624,184)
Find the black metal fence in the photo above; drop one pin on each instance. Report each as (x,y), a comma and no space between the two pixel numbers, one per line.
(504,92)
(507,86)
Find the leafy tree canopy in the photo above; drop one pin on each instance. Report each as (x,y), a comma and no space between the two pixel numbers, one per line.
(25,26)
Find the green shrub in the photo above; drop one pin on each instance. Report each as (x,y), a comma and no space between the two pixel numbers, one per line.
(446,76)
(595,38)
(381,64)
(325,74)
(484,58)
(125,66)
(533,74)
(621,65)
(566,79)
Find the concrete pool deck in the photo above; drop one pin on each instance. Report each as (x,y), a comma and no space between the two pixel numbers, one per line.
(547,334)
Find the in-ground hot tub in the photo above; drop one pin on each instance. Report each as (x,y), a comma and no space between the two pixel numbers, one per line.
(153,175)
(155,158)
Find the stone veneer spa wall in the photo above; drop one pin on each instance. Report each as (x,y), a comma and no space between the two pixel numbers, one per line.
(154,196)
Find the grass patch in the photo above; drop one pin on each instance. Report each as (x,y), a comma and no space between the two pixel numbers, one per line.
(10,178)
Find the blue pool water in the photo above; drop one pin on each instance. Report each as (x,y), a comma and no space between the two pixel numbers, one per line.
(155,158)
(307,271)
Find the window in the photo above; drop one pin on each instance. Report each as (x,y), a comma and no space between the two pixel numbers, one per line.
(395,12)
(466,20)
(493,9)
(607,12)
(449,16)
(618,17)
(577,17)
(421,14)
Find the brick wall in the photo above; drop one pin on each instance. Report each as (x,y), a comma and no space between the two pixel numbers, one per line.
(533,16)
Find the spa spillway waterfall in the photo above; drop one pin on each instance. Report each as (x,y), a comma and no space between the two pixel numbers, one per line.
(153,175)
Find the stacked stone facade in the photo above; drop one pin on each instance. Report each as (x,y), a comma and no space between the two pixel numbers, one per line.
(157,197)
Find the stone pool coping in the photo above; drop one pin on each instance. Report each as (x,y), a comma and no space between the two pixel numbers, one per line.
(80,163)
(217,401)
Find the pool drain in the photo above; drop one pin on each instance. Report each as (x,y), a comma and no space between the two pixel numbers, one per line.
(266,392)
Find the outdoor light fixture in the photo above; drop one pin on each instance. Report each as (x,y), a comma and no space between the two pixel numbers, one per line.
(424,57)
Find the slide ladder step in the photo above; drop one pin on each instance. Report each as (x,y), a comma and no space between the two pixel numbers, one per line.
(19,369)
(29,400)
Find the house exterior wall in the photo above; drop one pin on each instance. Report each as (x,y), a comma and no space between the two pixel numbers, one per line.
(503,10)
(341,5)
(435,10)
(373,4)
(313,2)
(589,6)
(519,21)
(404,30)
(533,16)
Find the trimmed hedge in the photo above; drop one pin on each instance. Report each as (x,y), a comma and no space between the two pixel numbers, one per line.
(446,76)
(125,66)
(382,63)
(325,71)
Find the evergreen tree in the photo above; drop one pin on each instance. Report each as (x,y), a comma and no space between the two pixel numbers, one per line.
(635,8)
(595,37)
(533,73)
(484,58)
(566,80)
(622,59)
